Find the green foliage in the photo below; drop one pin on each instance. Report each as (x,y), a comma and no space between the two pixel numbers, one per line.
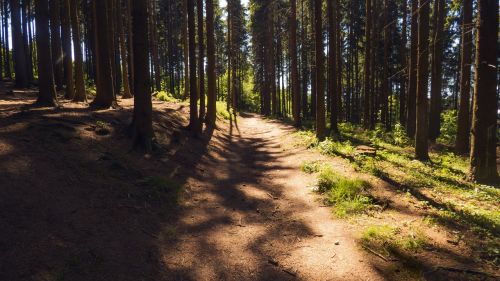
(399,135)
(307,139)
(448,127)
(346,195)
(222,111)
(311,167)
(331,147)
(165,96)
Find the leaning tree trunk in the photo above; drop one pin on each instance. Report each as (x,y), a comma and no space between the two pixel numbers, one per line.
(47,89)
(463,126)
(142,124)
(320,95)
(421,133)
(484,111)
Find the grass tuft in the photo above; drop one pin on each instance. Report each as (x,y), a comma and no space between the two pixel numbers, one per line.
(346,195)
(311,167)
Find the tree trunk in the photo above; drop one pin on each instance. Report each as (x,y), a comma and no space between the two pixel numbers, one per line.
(142,120)
(185,45)
(404,65)
(463,126)
(26,43)
(421,133)
(201,64)
(66,45)
(384,94)
(154,48)
(193,94)
(123,54)
(55,33)
(412,71)
(18,49)
(212,76)
(367,70)
(105,88)
(332,5)
(80,93)
(47,90)
(483,158)
(320,95)
(294,63)
(437,70)
(7,68)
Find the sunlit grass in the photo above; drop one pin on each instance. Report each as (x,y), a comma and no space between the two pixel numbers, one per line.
(347,196)
(443,179)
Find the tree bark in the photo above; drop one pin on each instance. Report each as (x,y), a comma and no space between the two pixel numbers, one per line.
(47,90)
(412,71)
(66,45)
(80,92)
(437,70)
(463,126)
(421,133)
(105,83)
(123,54)
(294,63)
(201,64)
(142,124)
(18,49)
(193,93)
(332,65)
(212,76)
(55,33)
(185,45)
(320,95)
(483,160)
(404,65)
(367,70)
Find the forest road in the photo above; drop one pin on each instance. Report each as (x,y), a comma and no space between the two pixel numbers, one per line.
(252,215)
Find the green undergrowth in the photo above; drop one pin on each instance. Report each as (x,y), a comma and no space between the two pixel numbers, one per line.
(347,196)
(391,242)
(165,96)
(441,182)
(222,111)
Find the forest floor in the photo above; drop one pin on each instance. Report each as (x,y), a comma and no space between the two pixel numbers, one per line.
(76,203)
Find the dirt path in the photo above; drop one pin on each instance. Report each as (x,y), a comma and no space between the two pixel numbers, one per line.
(250,215)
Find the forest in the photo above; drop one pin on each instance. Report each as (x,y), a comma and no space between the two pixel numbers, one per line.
(249,140)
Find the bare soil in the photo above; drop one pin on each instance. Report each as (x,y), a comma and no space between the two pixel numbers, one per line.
(76,203)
